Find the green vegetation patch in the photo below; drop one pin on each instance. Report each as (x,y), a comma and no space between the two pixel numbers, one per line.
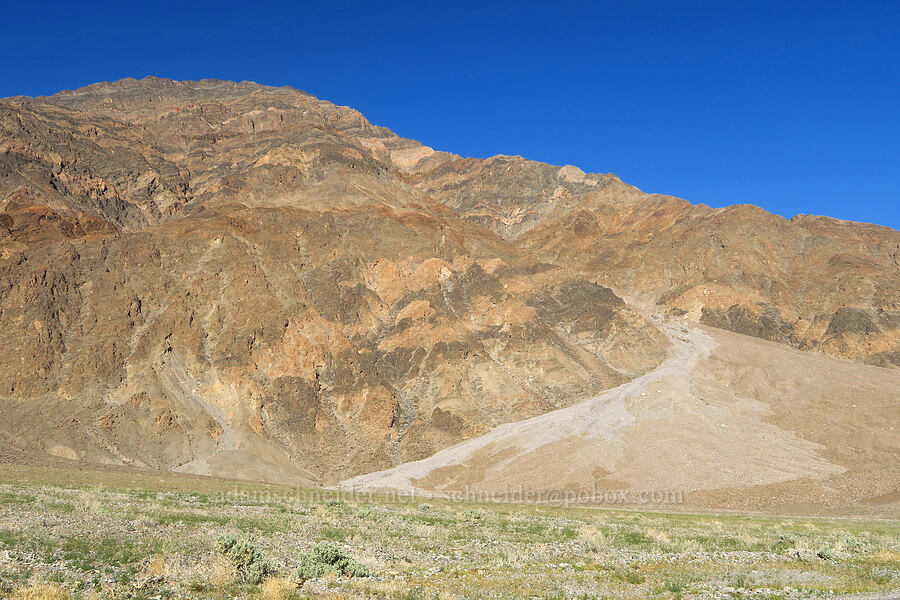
(104,554)
(327,558)
(251,564)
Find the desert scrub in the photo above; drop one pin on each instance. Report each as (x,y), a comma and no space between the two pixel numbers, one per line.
(854,544)
(42,591)
(327,558)
(629,576)
(11,498)
(280,588)
(102,554)
(511,551)
(472,515)
(251,564)
(785,540)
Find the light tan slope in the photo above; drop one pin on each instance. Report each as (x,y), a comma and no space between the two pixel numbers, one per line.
(727,421)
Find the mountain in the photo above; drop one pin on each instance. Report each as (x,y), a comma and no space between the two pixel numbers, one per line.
(813,283)
(226,278)
(232,279)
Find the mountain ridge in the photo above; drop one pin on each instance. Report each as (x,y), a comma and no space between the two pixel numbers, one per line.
(243,280)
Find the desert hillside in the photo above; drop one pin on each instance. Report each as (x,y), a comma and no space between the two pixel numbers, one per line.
(226,278)
(813,283)
(238,280)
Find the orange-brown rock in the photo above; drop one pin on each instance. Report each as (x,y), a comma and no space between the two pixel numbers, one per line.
(811,282)
(242,280)
(238,280)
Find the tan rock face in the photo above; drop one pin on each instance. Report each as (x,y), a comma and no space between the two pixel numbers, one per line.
(812,282)
(233,279)
(220,278)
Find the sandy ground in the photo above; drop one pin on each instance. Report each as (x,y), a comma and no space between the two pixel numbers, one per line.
(727,421)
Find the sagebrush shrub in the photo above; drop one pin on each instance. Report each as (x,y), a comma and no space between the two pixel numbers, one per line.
(251,564)
(854,544)
(327,558)
(785,540)
(472,515)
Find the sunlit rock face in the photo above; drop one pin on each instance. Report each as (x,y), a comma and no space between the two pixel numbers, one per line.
(241,280)
(232,279)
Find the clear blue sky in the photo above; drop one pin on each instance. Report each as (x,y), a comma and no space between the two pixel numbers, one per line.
(794,106)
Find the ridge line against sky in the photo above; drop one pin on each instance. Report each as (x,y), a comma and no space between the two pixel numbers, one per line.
(792,108)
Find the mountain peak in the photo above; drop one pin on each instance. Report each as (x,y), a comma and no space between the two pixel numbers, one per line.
(243,280)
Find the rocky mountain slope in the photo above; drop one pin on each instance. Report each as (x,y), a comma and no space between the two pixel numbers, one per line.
(727,421)
(225,278)
(812,282)
(240,280)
